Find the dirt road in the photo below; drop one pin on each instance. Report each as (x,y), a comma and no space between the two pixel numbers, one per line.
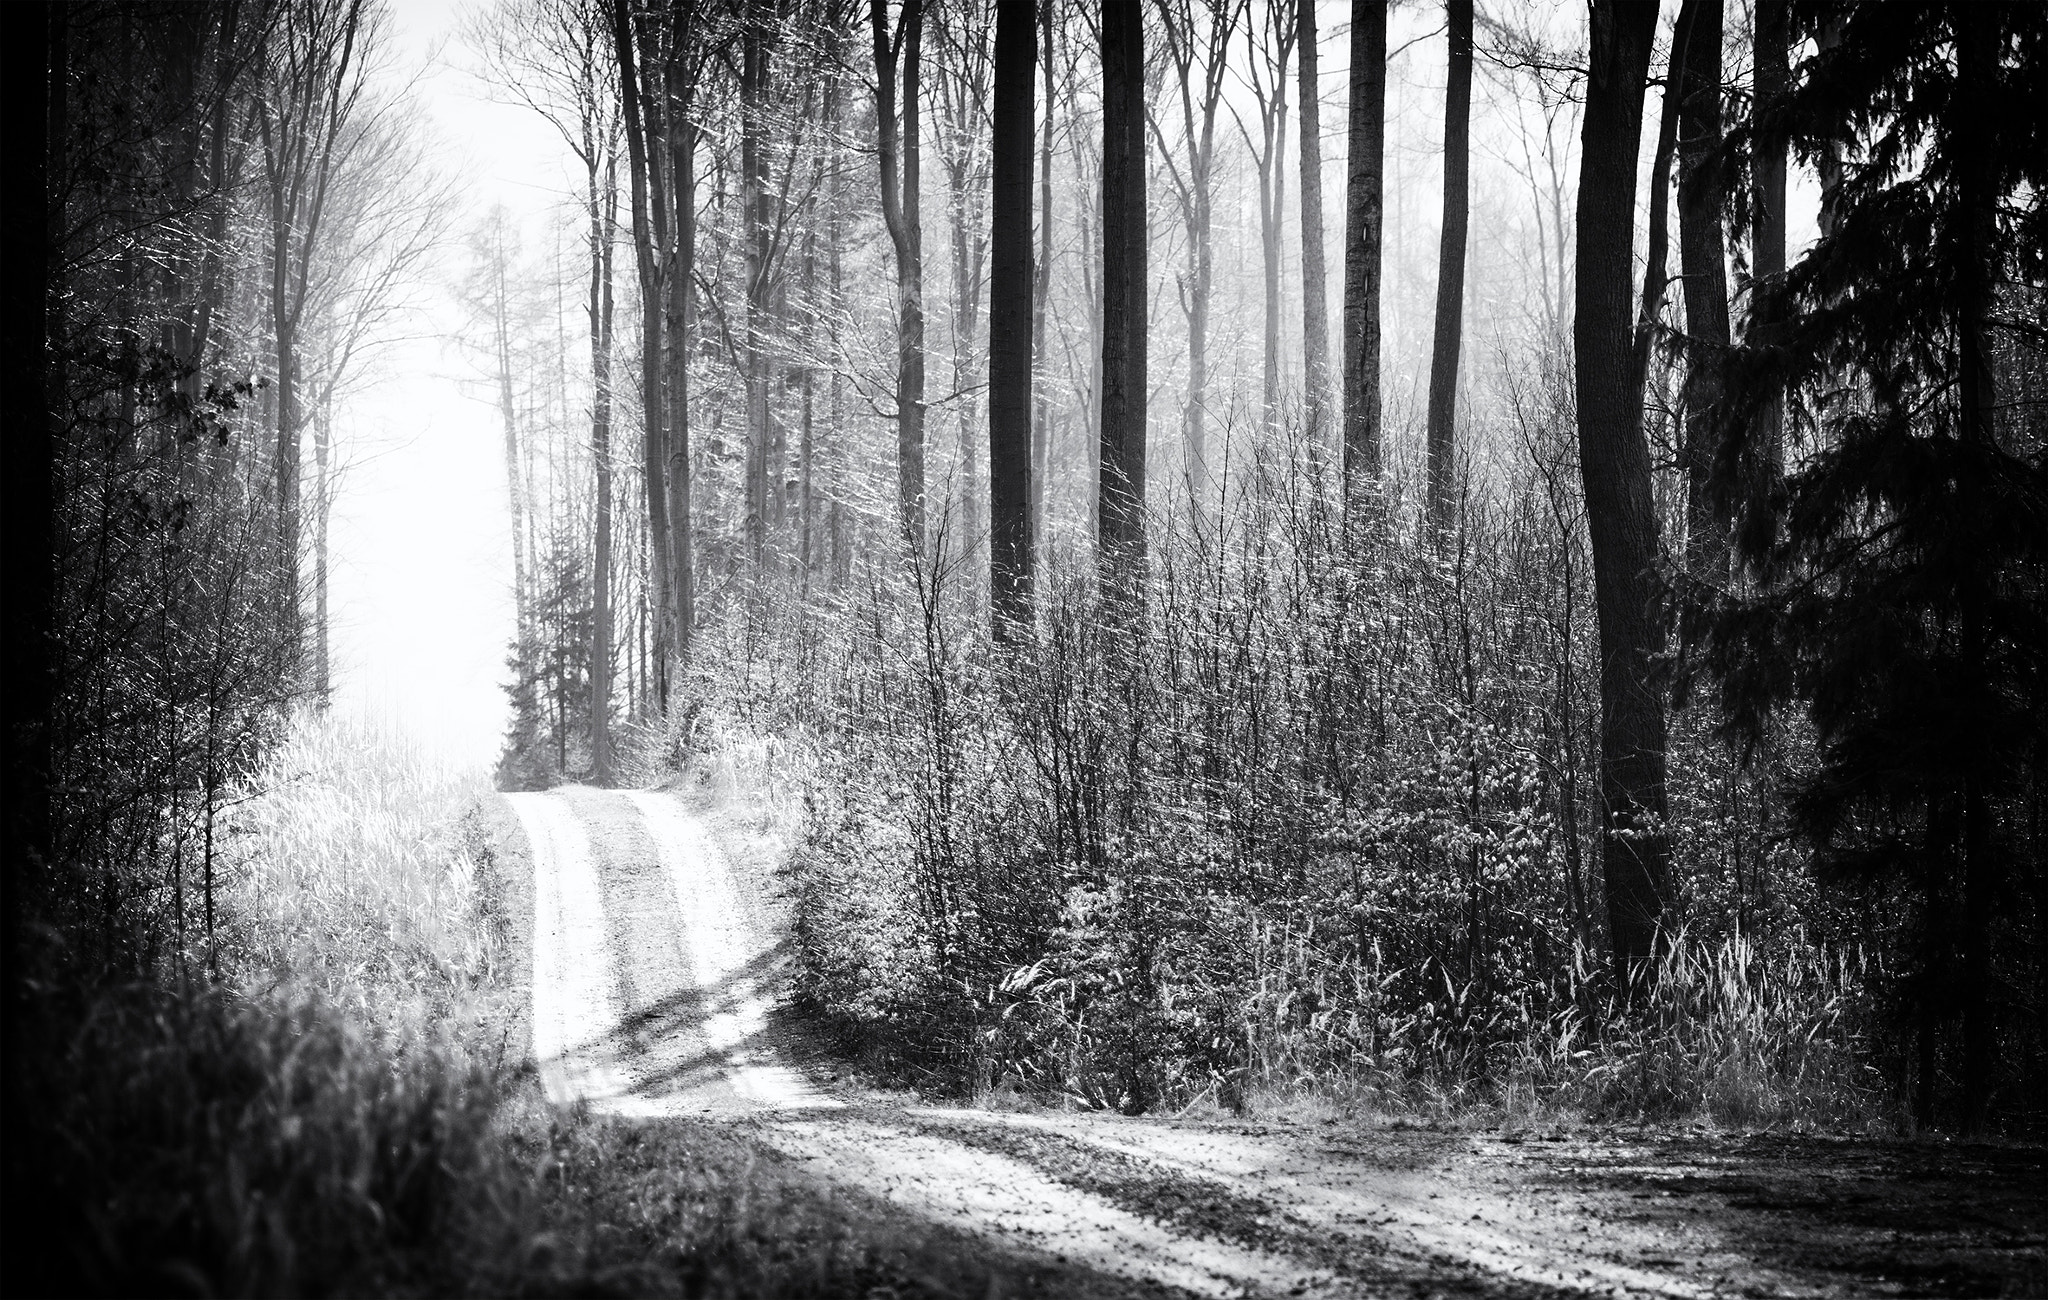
(656,971)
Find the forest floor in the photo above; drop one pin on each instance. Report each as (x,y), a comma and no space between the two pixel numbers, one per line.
(656,968)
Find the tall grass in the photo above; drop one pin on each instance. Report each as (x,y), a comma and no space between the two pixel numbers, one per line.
(362,875)
(308,1109)
(1723,1033)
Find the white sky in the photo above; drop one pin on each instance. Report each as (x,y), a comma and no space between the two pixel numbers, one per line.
(421,563)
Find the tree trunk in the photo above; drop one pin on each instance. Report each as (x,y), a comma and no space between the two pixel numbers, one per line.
(682,147)
(1450,281)
(1272,191)
(754,219)
(1978,36)
(1364,174)
(601,211)
(650,234)
(1657,259)
(1702,262)
(1120,494)
(1041,295)
(1772,79)
(1615,465)
(1009,319)
(899,154)
(1315,311)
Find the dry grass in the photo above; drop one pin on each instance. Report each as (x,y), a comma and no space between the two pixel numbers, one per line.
(1723,1035)
(362,875)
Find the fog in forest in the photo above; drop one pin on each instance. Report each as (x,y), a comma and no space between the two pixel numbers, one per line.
(795,647)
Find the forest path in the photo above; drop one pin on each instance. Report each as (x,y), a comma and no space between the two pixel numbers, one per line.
(658,966)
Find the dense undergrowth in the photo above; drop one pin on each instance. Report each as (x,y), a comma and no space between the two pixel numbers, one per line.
(1320,821)
(332,1097)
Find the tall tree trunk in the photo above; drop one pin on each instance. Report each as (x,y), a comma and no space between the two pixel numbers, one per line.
(323,509)
(1772,79)
(1365,171)
(1199,101)
(650,235)
(1120,494)
(1450,280)
(682,146)
(1657,262)
(1272,192)
(35,96)
(754,57)
(1978,36)
(1009,319)
(1702,261)
(1315,311)
(602,211)
(1041,295)
(285,357)
(508,416)
(1615,464)
(899,152)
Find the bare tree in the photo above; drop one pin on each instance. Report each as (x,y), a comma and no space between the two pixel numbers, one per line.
(1365,172)
(1450,283)
(387,215)
(1315,310)
(555,57)
(1614,462)
(1198,35)
(632,47)
(1271,45)
(898,153)
(1009,319)
(313,83)
(964,68)
(1120,494)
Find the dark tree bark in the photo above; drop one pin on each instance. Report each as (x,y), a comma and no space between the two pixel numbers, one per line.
(1365,173)
(1615,464)
(1450,280)
(1978,33)
(899,154)
(33,90)
(1702,262)
(1120,495)
(1009,319)
(1772,78)
(650,236)
(1041,295)
(1315,309)
(1657,262)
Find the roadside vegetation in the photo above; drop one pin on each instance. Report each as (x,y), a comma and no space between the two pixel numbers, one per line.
(1072,873)
(344,1107)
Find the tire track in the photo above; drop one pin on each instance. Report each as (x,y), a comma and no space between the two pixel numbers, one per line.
(574,993)
(653,987)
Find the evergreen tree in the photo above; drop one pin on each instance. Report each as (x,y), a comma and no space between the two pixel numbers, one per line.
(1898,580)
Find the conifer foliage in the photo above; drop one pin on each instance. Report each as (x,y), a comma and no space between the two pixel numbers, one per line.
(1898,581)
